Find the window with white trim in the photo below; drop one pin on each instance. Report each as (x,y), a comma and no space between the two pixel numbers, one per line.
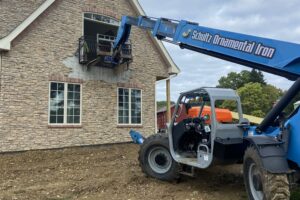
(64,103)
(129,106)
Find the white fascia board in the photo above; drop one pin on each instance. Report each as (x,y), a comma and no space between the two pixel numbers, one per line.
(5,43)
(174,69)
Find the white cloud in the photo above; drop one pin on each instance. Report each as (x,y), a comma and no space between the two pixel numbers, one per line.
(276,19)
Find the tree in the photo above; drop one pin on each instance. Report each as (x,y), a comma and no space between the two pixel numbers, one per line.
(258,99)
(252,98)
(290,107)
(256,76)
(235,80)
(272,94)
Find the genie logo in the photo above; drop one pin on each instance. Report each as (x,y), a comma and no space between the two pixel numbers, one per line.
(186,33)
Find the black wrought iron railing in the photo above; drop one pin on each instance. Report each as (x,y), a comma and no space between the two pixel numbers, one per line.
(98,51)
(87,49)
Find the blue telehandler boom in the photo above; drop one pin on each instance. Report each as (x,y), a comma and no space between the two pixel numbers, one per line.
(270,152)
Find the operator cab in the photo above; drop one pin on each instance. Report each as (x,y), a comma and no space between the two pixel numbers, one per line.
(205,124)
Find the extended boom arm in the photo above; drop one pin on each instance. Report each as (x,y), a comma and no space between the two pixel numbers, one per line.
(273,56)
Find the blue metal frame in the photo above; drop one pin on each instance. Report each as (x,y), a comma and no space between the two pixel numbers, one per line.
(273,56)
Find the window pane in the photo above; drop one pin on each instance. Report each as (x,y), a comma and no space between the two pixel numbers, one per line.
(88,15)
(60,86)
(71,87)
(120,113)
(77,95)
(60,111)
(52,112)
(53,119)
(70,111)
(60,119)
(135,106)
(59,103)
(136,120)
(77,102)
(73,103)
(53,86)
(77,88)
(126,106)
(70,95)
(59,96)
(224,110)
(126,120)
(121,120)
(56,114)
(76,119)
(123,106)
(76,111)
(70,119)
(53,94)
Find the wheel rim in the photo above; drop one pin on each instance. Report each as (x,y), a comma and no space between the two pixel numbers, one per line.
(159,160)
(253,181)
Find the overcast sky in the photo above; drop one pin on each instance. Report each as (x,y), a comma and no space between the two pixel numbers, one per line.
(278,19)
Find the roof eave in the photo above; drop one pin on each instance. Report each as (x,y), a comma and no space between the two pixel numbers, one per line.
(5,43)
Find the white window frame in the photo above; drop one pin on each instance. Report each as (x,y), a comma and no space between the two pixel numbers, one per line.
(65,105)
(113,22)
(129,108)
(101,22)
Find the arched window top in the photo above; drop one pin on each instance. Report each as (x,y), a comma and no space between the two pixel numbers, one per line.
(101,19)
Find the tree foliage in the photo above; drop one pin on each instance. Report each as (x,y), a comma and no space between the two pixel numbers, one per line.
(258,99)
(290,107)
(235,80)
(256,95)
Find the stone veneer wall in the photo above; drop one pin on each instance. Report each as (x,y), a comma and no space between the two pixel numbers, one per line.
(38,56)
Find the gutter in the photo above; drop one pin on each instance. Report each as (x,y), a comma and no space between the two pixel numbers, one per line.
(5,43)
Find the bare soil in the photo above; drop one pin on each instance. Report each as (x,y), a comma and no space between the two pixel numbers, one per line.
(106,172)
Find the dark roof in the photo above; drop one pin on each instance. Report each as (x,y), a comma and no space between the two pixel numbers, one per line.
(164,109)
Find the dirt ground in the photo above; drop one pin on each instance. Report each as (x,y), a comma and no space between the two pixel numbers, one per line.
(106,172)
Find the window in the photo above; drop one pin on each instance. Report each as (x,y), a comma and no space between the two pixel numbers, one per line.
(99,32)
(130,106)
(65,103)
(227,111)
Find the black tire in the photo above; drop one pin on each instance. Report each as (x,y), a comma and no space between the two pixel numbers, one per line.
(156,160)
(260,184)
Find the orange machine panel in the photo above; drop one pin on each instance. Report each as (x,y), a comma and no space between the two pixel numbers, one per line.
(223,115)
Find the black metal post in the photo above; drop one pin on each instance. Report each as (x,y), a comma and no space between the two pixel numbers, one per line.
(279,107)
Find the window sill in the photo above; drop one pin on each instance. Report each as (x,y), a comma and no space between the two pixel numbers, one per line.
(64,126)
(129,126)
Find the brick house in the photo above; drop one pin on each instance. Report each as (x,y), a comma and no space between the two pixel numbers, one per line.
(55,92)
